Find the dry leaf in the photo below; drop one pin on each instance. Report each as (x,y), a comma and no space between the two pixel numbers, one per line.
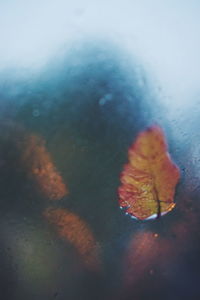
(150,177)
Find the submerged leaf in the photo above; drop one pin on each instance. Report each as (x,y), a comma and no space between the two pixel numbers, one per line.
(39,164)
(76,231)
(150,177)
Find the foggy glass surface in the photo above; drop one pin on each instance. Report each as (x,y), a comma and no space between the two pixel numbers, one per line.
(78,82)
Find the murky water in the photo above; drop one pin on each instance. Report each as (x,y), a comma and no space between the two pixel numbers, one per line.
(86,109)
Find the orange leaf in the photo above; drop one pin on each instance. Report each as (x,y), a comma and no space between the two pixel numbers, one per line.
(41,168)
(72,228)
(150,177)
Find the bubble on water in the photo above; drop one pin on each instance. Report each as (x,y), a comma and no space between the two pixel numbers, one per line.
(36,113)
(106,98)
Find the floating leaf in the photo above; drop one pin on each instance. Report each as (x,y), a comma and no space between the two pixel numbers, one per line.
(150,177)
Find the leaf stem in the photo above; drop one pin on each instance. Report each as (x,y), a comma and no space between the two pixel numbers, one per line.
(158,203)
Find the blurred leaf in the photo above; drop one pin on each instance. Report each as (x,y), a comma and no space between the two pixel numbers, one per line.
(40,166)
(72,228)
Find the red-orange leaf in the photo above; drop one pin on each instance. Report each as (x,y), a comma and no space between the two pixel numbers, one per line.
(39,164)
(150,177)
(76,231)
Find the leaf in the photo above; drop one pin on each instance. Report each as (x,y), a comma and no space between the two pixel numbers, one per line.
(150,177)
(76,231)
(40,167)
